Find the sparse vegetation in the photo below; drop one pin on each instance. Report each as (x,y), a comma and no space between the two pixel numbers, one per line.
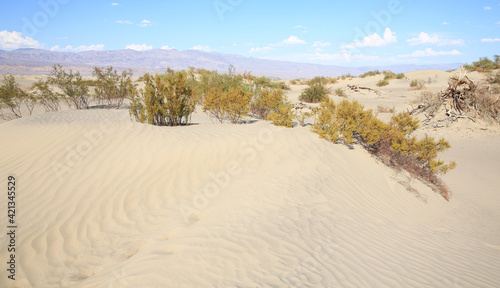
(417,84)
(226,96)
(283,116)
(389,75)
(316,92)
(42,93)
(265,100)
(484,64)
(75,91)
(347,122)
(382,83)
(165,100)
(111,88)
(385,109)
(400,76)
(340,92)
(370,73)
(12,97)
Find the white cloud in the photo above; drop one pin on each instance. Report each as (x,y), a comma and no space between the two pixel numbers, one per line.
(292,40)
(124,22)
(498,22)
(139,47)
(166,47)
(374,40)
(115,4)
(145,23)
(487,8)
(321,44)
(426,39)
(16,40)
(445,23)
(489,40)
(260,49)
(80,48)
(431,53)
(201,48)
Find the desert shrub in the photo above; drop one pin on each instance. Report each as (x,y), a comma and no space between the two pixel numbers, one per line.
(487,102)
(389,75)
(347,76)
(75,91)
(283,115)
(295,82)
(165,100)
(347,122)
(385,109)
(226,96)
(428,102)
(265,100)
(484,64)
(493,78)
(302,116)
(340,92)
(400,76)
(42,93)
(12,98)
(316,92)
(417,84)
(318,80)
(369,73)
(263,81)
(383,82)
(111,88)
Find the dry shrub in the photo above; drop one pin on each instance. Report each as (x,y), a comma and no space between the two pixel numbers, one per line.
(428,102)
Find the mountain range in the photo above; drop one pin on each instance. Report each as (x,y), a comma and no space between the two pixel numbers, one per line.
(38,61)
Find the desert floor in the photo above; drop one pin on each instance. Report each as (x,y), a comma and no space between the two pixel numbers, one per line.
(103,201)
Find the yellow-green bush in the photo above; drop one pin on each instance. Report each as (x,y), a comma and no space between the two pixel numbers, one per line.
(165,100)
(283,115)
(226,96)
(265,100)
(348,122)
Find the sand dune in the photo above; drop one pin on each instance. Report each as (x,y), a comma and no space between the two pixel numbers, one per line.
(104,202)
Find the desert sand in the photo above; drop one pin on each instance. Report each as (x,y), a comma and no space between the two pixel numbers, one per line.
(106,202)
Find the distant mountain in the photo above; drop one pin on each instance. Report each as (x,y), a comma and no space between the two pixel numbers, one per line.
(37,61)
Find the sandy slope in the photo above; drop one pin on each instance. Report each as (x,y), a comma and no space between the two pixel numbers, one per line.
(225,205)
(104,202)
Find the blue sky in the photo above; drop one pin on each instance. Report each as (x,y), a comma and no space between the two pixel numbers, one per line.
(348,33)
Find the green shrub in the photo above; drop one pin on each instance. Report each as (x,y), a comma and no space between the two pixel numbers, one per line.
(316,92)
(369,73)
(165,100)
(417,84)
(340,92)
(12,97)
(383,82)
(75,91)
(42,93)
(389,75)
(484,64)
(400,76)
(111,88)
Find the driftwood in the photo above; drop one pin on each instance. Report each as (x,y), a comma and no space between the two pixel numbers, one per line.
(458,100)
(356,88)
